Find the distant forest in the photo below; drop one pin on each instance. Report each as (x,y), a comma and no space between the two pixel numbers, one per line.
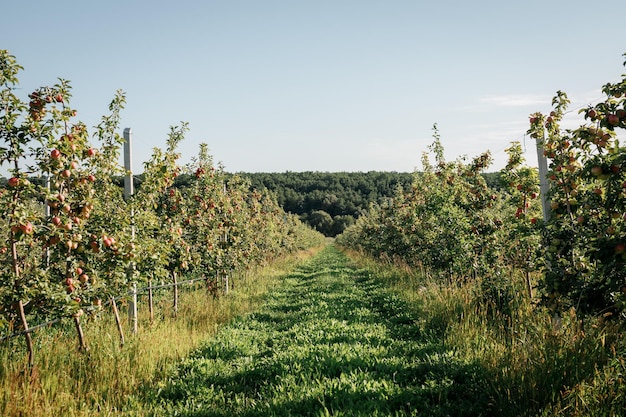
(332,201)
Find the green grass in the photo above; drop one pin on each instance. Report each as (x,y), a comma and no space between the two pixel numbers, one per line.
(530,367)
(332,340)
(105,380)
(331,335)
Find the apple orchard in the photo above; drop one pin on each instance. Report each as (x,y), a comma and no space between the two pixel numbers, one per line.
(71,241)
(454,226)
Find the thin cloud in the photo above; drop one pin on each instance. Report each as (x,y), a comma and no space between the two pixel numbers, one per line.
(515,100)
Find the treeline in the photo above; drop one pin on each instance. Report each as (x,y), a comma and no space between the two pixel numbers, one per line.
(327,201)
(332,201)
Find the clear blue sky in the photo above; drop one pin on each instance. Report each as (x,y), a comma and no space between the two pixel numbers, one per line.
(342,85)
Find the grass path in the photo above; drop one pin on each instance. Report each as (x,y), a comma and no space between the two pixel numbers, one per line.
(330,341)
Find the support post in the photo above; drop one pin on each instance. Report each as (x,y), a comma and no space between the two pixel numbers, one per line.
(118,322)
(47,213)
(150,302)
(29,340)
(132,308)
(82,344)
(129,190)
(175,279)
(544,184)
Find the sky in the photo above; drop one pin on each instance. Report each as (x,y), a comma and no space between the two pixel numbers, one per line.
(321,85)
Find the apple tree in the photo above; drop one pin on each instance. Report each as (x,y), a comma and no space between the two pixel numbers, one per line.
(586,234)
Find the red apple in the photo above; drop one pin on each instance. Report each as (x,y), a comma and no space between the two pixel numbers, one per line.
(596,171)
(27,228)
(14,182)
(56,220)
(91,152)
(612,119)
(94,246)
(55,154)
(59,98)
(66,173)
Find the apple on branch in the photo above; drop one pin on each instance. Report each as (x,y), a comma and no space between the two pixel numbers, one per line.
(26,228)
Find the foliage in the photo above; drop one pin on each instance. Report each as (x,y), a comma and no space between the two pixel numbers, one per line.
(73,239)
(452,223)
(341,196)
(586,236)
(108,380)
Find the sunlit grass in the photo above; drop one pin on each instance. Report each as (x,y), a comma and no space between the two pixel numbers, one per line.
(331,341)
(328,335)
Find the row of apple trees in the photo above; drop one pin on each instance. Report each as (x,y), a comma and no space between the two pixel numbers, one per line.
(71,240)
(457,228)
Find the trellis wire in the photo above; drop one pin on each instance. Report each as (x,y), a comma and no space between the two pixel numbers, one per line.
(52,322)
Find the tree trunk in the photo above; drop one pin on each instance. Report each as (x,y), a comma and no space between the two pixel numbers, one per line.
(29,340)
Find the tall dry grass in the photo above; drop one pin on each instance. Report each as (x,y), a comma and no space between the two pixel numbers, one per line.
(534,363)
(108,378)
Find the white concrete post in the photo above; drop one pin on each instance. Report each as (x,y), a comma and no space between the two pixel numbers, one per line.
(544,184)
(129,190)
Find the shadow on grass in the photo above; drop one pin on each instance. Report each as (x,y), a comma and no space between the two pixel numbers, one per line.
(331,341)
